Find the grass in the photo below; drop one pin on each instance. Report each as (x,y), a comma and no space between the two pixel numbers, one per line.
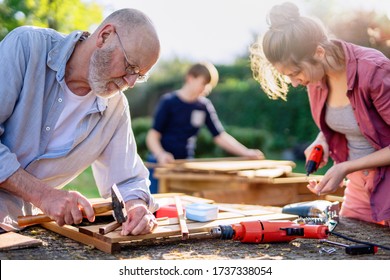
(85,184)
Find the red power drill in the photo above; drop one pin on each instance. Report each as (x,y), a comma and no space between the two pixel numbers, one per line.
(314,160)
(269,231)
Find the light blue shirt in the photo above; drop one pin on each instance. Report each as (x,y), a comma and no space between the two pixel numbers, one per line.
(32,79)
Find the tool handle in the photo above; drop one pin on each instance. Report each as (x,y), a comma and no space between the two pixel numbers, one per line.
(314,160)
(30,220)
(33,219)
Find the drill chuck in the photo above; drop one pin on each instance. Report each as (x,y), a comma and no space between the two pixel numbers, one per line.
(224,232)
(311,167)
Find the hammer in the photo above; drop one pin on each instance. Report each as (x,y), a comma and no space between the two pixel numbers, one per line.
(119,209)
(116,205)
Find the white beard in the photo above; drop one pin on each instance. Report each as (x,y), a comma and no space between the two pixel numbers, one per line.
(98,82)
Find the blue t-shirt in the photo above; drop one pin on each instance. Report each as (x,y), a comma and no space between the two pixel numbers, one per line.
(179,123)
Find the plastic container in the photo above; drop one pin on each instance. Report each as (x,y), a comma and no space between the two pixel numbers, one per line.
(201,212)
(169,211)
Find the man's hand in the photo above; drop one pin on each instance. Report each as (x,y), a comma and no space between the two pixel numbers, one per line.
(139,219)
(64,207)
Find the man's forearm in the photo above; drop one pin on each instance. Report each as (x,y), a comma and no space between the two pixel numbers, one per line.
(26,186)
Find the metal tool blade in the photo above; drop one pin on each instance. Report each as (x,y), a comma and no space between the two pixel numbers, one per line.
(118,205)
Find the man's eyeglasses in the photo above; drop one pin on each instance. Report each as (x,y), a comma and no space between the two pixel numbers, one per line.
(132,69)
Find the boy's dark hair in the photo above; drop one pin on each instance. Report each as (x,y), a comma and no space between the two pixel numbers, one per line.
(206,70)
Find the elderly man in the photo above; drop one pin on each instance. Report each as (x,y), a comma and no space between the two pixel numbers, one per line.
(63,110)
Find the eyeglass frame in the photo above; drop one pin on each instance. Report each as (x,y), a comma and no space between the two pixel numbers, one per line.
(132,69)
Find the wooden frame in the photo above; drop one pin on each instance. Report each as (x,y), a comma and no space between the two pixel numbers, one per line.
(169,228)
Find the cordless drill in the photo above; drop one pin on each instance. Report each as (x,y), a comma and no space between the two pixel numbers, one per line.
(269,231)
(314,160)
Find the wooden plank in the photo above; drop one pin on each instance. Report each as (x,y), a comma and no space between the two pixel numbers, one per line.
(182,218)
(73,233)
(296,178)
(277,171)
(225,166)
(275,195)
(334,198)
(180,161)
(189,175)
(109,227)
(13,240)
(226,177)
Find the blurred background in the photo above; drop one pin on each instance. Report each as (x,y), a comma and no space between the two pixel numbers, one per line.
(219,31)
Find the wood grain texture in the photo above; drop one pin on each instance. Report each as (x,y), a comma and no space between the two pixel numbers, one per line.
(181,217)
(13,240)
(226,166)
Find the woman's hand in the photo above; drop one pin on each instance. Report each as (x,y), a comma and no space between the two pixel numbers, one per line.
(332,180)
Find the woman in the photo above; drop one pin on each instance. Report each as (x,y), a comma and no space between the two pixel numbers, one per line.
(349,94)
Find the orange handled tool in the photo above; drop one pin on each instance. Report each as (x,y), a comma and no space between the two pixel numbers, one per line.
(42,218)
(269,231)
(314,160)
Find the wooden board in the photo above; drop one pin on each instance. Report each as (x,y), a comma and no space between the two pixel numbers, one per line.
(232,166)
(277,171)
(169,228)
(13,240)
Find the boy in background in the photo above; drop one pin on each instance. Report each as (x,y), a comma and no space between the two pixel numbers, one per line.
(181,113)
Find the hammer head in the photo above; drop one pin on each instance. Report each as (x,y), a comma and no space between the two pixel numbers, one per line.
(118,205)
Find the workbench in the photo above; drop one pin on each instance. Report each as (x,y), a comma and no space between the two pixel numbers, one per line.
(234,180)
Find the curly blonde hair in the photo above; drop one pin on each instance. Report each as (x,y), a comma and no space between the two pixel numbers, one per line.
(274,84)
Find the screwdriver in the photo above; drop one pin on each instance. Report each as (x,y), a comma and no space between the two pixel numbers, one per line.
(358,249)
(314,160)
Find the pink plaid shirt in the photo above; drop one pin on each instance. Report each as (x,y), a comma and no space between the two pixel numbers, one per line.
(368,74)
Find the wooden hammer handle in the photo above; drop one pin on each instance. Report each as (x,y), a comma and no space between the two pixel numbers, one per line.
(29,220)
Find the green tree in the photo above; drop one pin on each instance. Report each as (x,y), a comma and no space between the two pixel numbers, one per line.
(64,16)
